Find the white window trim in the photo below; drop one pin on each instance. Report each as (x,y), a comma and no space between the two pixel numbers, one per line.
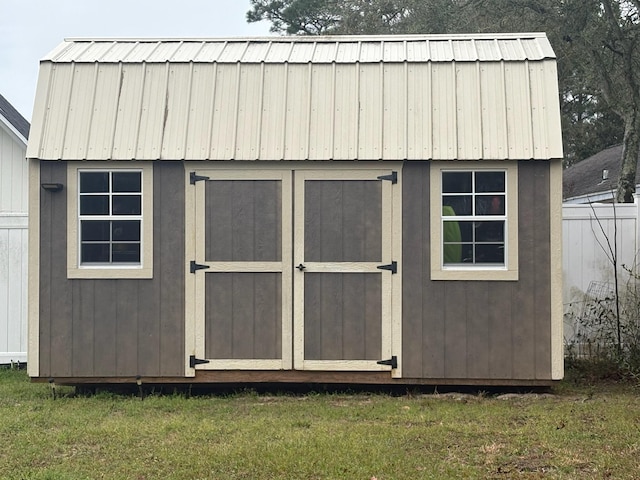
(145,268)
(474,272)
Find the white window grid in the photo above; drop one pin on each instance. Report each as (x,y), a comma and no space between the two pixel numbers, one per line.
(110,217)
(475,217)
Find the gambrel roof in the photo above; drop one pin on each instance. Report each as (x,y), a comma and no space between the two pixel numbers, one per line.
(416,97)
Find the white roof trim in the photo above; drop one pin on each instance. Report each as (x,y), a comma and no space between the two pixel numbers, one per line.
(8,126)
(307,49)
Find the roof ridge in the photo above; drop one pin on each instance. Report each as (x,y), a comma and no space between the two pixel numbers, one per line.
(309,49)
(317,38)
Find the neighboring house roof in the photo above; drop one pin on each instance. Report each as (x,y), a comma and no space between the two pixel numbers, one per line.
(12,119)
(413,97)
(585,182)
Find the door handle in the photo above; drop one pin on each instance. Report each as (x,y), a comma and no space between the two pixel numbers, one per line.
(301,267)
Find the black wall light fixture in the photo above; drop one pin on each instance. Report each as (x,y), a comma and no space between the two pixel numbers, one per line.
(51,187)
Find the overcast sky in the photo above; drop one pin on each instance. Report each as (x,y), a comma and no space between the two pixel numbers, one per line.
(29,29)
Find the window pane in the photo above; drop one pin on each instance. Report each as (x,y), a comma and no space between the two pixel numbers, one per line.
(452,253)
(126,231)
(126,204)
(94,205)
(455,254)
(452,237)
(492,253)
(490,182)
(490,231)
(94,253)
(94,182)
(456,182)
(467,253)
(490,205)
(457,205)
(126,253)
(466,231)
(95,231)
(127,181)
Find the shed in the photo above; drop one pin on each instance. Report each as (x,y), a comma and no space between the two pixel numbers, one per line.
(342,209)
(14,131)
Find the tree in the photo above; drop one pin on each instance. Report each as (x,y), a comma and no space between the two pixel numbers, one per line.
(311,17)
(597,43)
(324,17)
(616,58)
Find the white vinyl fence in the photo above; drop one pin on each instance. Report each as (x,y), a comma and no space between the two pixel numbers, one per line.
(590,234)
(13,287)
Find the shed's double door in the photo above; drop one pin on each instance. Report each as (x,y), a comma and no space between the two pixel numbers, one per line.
(294,269)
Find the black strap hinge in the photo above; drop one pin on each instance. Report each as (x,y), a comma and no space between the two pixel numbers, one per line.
(393,177)
(193,361)
(392,362)
(393,267)
(194,267)
(193,178)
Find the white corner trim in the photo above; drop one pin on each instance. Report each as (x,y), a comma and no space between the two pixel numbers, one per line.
(33,286)
(555,216)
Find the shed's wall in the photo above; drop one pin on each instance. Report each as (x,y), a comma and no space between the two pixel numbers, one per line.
(478,329)
(113,327)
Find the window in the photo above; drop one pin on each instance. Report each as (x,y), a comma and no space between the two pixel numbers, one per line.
(110,222)
(474,221)
(110,217)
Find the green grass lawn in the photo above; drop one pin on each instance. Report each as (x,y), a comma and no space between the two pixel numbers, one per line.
(579,432)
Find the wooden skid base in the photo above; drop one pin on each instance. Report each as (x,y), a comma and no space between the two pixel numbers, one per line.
(293,377)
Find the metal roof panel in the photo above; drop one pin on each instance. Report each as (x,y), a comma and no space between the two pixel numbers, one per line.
(395,51)
(325,52)
(511,50)
(186,51)
(233,52)
(417,51)
(370,52)
(464,50)
(256,52)
(209,52)
(142,52)
(488,50)
(279,52)
(302,52)
(440,50)
(297,98)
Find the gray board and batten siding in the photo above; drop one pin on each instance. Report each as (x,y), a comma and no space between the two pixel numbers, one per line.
(477,329)
(452,330)
(297,138)
(107,327)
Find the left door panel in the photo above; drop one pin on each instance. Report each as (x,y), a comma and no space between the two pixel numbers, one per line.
(242,252)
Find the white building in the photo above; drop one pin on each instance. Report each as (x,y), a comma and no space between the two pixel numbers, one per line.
(14,131)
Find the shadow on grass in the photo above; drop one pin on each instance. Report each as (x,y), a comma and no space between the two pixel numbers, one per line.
(580,376)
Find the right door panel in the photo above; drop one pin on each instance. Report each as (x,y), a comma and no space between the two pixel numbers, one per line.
(342,299)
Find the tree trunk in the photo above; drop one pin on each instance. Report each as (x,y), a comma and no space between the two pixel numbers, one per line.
(630,150)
